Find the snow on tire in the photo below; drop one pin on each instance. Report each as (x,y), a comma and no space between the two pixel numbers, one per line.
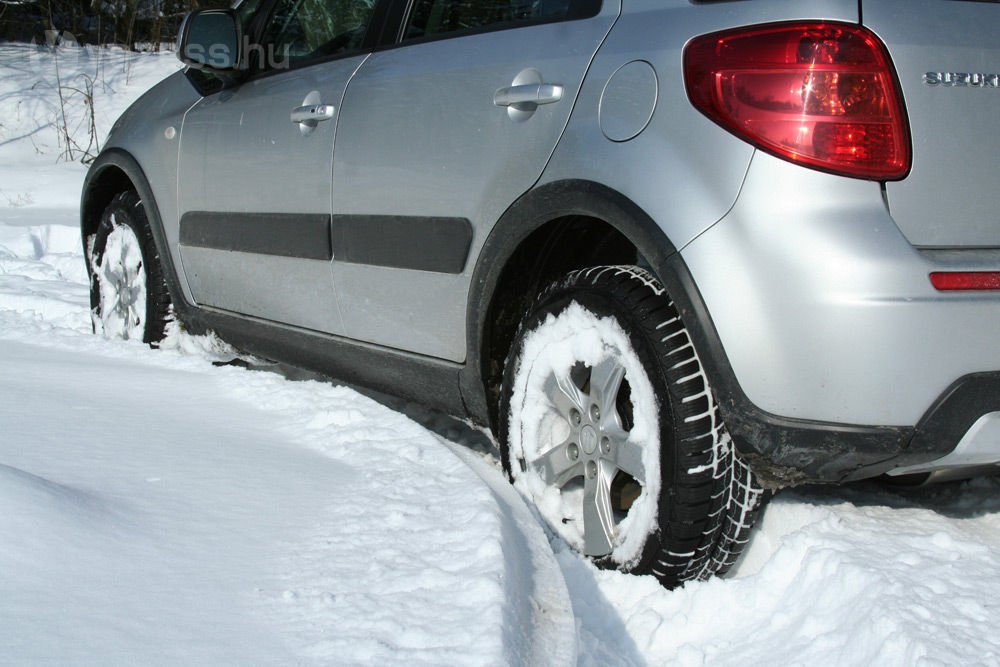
(128,294)
(609,425)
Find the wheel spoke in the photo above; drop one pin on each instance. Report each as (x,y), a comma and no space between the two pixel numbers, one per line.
(125,247)
(133,293)
(598,518)
(135,317)
(564,395)
(111,276)
(113,323)
(628,459)
(605,381)
(612,427)
(557,466)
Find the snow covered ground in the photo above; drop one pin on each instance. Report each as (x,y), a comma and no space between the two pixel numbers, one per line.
(156,508)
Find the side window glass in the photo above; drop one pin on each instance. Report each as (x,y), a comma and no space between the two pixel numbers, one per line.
(246,9)
(299,31)
(431,18)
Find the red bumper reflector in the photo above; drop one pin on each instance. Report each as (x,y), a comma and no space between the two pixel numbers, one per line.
(947,281)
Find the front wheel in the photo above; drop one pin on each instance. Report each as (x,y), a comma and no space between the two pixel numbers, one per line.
(609,425)
(128,294)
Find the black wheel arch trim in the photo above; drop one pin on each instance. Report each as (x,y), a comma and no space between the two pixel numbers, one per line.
(127,164)
(783,451)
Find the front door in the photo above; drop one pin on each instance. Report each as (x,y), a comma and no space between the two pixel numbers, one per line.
(256,161)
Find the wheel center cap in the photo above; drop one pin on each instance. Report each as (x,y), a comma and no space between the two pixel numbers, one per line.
(588,439)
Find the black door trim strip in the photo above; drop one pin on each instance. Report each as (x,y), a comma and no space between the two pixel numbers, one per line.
(403,242)
(300,235)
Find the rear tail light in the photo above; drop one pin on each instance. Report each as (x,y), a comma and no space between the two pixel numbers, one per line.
(819,94)
(947,281)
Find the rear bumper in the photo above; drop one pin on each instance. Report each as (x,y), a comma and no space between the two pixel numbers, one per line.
(966,416)
(832,355)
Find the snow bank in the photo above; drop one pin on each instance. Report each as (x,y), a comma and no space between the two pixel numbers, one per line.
(856,576)
(385,547)
(347,532)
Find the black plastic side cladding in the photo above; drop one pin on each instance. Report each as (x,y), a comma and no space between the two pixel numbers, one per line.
(424,380)
(404,242)
(783,451)
(303,236)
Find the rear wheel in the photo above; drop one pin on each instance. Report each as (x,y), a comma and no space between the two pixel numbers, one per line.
(610,427)
(128,295)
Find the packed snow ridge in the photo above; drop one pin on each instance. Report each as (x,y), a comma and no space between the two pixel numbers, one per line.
(160,509)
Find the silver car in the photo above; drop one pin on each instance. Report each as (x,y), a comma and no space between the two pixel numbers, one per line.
(676,254)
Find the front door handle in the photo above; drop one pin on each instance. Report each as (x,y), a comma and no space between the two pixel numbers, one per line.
(311,114)
(528,96)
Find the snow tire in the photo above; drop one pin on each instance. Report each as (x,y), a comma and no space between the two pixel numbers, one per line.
(129,299)
(706,496)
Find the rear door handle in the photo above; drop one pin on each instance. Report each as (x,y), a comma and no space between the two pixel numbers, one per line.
(529,95)
(311,114)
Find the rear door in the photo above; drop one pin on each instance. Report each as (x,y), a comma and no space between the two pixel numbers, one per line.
(947,55)
(437,137)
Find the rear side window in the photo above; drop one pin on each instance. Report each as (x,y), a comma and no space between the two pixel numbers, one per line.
(437,18)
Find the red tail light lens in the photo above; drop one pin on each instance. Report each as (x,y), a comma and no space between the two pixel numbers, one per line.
(947,281)
(820,94)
